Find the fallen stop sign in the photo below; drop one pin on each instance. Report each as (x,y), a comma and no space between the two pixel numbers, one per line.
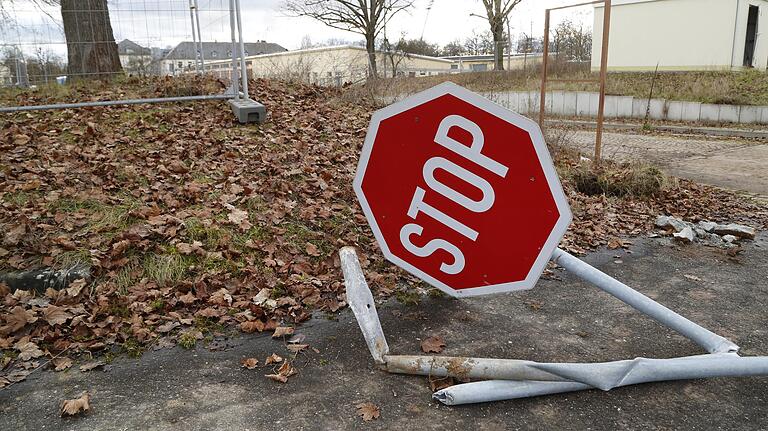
(461,192)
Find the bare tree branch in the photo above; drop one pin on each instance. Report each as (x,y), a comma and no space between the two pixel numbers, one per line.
(365,17)
(497,11)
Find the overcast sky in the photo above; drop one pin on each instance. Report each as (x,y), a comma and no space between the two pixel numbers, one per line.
(167,22)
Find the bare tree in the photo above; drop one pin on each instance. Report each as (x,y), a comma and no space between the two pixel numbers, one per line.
(497,12)
(365,17)
(91,48)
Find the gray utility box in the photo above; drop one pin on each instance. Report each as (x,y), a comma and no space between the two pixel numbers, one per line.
(248,111)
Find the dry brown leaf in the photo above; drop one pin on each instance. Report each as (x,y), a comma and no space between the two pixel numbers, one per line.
(76,406)
(286,369)
(240,219)
(61,363)
(438,383)
(273,359)
(76,287)
(368,411)
(282,331)
(188,298)
(312,250)
(28,350)
(249,363)
(277,377)
(17,319)
(433,344)
(56,315)
(91,366)
(295,348)
(252,326)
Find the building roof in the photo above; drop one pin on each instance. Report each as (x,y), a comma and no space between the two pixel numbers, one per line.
(342,47)
(489,57)
(129,47)
(220,50)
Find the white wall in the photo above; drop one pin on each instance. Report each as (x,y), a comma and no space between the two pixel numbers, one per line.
(761,48)
(679,35)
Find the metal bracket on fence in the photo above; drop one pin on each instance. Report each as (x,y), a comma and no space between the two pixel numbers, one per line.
(512,379)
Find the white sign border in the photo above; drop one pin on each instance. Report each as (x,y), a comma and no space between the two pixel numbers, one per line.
(537,137)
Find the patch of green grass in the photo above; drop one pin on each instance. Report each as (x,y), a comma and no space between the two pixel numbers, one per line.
(20,198)
(436,293)
(73,257)
(637,179)
(127,276)
(120,310)
(157,304)
(133,348)
(407,297)
(208,234)
(187,341)
(165,269)
(208,325)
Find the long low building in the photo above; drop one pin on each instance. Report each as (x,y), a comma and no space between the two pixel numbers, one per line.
(334,65)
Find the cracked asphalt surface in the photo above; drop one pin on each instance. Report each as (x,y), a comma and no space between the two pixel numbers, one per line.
(562,319)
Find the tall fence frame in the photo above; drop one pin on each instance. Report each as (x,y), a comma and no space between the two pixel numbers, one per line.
(237,94)
(603,70)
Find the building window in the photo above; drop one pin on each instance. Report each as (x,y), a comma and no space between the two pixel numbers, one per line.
(479,67)
(454,66)
(214,54)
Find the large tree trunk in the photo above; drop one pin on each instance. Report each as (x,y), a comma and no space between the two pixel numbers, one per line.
(91,47)
(498,45)
(370,46)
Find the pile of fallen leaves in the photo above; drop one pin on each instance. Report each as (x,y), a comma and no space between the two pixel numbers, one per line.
(193,224)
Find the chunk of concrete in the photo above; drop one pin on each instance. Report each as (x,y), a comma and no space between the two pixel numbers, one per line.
(708,226)
(734,229)
(248,111)
(667,222)
(729,238)
(749,115)
(691,111)
(583,104)
(686,235)
(570,104)
(624,106)
(729,114)
(674,110)
(709,112)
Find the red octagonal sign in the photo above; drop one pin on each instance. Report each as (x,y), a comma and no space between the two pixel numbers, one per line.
(461,192)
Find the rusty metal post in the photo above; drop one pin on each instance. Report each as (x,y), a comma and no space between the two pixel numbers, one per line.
(544,64)
(603,77)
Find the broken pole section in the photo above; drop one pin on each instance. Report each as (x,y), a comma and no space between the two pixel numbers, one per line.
(707,339)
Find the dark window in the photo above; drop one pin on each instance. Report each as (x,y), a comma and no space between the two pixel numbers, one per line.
(749,45)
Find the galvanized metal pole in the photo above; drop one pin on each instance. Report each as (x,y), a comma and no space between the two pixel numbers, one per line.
(114,103)
(603,77)
(199,37)
(637,371)
(544,64)
(243,69)
(712,342)
(194,39)
(235,79)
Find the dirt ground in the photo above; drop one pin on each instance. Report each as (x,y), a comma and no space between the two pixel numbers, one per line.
(732,163)
(560,320)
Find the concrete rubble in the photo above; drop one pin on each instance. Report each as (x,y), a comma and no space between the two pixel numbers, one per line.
(707,232)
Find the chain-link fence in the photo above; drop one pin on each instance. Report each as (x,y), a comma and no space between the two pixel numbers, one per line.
(46,45)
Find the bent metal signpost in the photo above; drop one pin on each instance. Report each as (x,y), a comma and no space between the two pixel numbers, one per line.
(463,194)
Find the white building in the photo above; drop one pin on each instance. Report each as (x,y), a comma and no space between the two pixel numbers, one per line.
(334,65)
(134,58)
(181,59)
(6,78)
(681,35)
